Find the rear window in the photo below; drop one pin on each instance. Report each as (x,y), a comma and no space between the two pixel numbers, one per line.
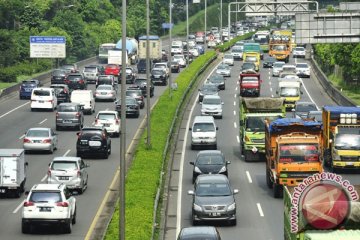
(37,133)
(43,197)
(106,116)
(67,108)
(58,72)
(64,165)
(74,77)
(204,127)
(41,93)
(90,69)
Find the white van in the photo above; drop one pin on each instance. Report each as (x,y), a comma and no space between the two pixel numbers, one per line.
(43,98)
(84,98)
(203,132)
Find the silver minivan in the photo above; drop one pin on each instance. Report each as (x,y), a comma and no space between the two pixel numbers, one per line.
(203,132)
(212,106)
(71,171)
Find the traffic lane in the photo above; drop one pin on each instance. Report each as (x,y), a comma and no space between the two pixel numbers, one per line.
(227,143)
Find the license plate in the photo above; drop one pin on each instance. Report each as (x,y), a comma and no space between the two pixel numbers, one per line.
(350,163)
(63,178)
(214,214)
(106,125)
(37,141)
(41,101)
(103,93)
(67,121)
(94,143)
(84,142)
(45,209)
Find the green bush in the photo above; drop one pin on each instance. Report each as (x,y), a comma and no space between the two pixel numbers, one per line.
(8,75)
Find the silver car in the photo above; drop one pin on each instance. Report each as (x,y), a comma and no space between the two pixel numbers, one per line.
(105,92)
(212,106)
(69,115)
(40,139)
(277,68)
(224,69)
(71,171)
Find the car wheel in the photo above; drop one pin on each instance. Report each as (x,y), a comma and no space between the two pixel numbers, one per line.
(106,155)
(109,150)
(233,222)
(193,147)
(137,115)
(25,228)
(68,226)
(277,190)
(268,180)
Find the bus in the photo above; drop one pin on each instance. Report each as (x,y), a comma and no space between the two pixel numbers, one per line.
(103,51)
(262,37)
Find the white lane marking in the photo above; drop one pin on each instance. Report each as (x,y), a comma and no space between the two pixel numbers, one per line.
(44,178)
(235,126)
(234,103)
(66,153)
(312,100)
(22,136)
(236,88)
(18,207)
(271,89)
(272,95)
(13,110)
(235,95)
(182,159)
(234,113)
(238,139)
(43,121)
(260,209)
(269,82)
(248,176)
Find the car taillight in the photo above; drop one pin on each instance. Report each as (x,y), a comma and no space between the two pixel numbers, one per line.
(77,115)
(78,173)
(81,81)
(62,204)
(51,101)
(57,114)
(26,140)
(28,204)
(103,136)
(117,121)
(67,81)
(47,140)
(96,120)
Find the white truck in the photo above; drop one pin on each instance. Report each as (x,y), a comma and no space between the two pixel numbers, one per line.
(291,91)
(12,172)
(155,48)
(115,57)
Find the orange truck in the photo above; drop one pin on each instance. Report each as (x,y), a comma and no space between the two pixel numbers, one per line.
(280,45)
(293,151)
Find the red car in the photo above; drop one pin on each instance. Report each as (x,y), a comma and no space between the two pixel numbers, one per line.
(112,69)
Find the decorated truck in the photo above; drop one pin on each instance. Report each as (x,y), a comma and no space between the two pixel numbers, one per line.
(293,151)
(341,137)
(253,112)
(280,45)
(322,210)
(249,84)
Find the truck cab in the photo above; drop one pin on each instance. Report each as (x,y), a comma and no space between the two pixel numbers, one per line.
(250,84)
(291,91)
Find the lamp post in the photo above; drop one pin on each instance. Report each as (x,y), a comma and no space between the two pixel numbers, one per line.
(169,57)
(187,31)
(148,139)
(205,27)
(221,10)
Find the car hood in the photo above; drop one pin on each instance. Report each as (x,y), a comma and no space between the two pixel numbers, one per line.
(214,200)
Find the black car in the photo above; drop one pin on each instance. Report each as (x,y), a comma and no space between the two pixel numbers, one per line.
(69,115)
(159,76)
(132,107)
(175,67)
(137,94)
(217,80)
(26,88)
(76,81)
(248,67)
(58,76)
(209,162)
(268,62)
(141,65)
(130,75)
(213,199)
(199,233)
(93,141)
(142,83)
(62,92)
(207,89)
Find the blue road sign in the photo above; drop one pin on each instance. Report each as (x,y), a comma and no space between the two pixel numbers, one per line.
(167,25)
(48,39)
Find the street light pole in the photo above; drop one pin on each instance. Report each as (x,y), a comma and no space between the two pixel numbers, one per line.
(221,10)
(205,26)
(187,31)
(169,60)
(123,127)
(148,139)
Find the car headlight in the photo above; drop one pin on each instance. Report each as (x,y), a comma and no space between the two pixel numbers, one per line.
(197,170)
(197,208)
(231,207)
(223,169)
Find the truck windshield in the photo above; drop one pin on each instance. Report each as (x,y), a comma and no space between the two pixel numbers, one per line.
(298,153)
(279,48)
(257,124)
(250,59)
(289,92)
(347,141)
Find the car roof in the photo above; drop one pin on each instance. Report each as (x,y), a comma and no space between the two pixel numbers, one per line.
(65,159)
(39,128)
(92,128)
(47,187)
(212,96)
(204,119)
(107,112)
(69,104)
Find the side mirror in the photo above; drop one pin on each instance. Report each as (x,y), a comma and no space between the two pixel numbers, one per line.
(190,192)
(228,162)
(190,129)
(191,163)
(235,191)
(293,109)
(27,193)
(222,103)
(217,128)
(78,133)
(200,103)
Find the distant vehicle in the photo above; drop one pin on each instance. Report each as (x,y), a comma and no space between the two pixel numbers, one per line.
(112,69)
(228,59)
(269,62)
(302,109)
(277,68)
(217,80)
(180,59)
(175,67)
(155,48)
(40,139)
(91,73)
(203,132)
(58,76)
(237,52)
(208,89)
(106,80)
(70,68)
(132,48)
(84,98)
(62,92)
(105,92)
(141,65)
(69,115)
(142,84)
(26,88)
(43,98)
(212,106)
(137,94)
(130,75)
(132,107)
(76,81)
(115,57)
(303,70)
(93,141)
(248,67)
(103,51)
(224,70)
(110,120)
(200,232)
(299,52)
(159,76)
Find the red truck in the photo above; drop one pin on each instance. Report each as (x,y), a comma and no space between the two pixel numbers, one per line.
(250,84)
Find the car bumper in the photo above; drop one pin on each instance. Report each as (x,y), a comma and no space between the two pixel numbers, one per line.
(106,97)
(37,146)
(215,216)
(110,129)
(68,123)
(203,142)
(211,113)
(45,105)
(87,150)
(71,184)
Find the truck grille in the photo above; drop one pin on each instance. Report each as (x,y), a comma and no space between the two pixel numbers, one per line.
(298,174)
(349,158)
(262,140)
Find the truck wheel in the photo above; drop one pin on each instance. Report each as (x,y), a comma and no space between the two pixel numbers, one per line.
(247,156)
(277,190)
(268,179)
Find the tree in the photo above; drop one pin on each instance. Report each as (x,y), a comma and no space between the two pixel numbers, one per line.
(355,60)
(30,17)
(8,49)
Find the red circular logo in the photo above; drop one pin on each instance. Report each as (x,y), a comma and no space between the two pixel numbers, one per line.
(325,206)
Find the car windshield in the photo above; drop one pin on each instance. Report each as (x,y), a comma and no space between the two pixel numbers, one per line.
(204,127)
(210,160)
(29,83)
(212,101)
(41,93)
(212,189)
(289,92)
(133,93)
(37,133)
(270,60)
(106,116)
(228,56)
(90,69)
(45,197)
(65,108)
(248,65)
(257,124)
(299,49)
(131,101)
(74,77)
(250,59)
(305,107)
(278,65)
(237,50)
(58,72)
(298,153)
(104,87)
(157,72)
(279,48)
(64,165)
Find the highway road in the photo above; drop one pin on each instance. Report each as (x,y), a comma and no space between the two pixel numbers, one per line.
(15,119)
(259,215)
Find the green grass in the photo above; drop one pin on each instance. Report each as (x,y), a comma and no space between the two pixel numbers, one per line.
(352,91)
(6,85)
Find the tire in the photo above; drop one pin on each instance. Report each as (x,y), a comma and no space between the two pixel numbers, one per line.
(268,179)
(193,147)
(78,154)
(25,228)
(277,190)
(68,226)
(106,155)
(194,222)
(57,128)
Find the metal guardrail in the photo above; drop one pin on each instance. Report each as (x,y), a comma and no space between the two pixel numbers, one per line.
(44,77)
(329,88)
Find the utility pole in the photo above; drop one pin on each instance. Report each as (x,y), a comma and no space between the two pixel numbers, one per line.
(187,31)
(169,60)
(205,27)
(148,139)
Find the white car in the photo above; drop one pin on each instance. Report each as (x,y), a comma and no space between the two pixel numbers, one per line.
(110,120)
(211,44)
(180,59)
(224,69)
(203,132)
(237,52)
(163,65)
(49,204)
(277,68)
(192,43)
(40,139)
(194,52)
(43,98)
(212,106)
(176,49)
(228,59)
(299,52)
(303,70)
